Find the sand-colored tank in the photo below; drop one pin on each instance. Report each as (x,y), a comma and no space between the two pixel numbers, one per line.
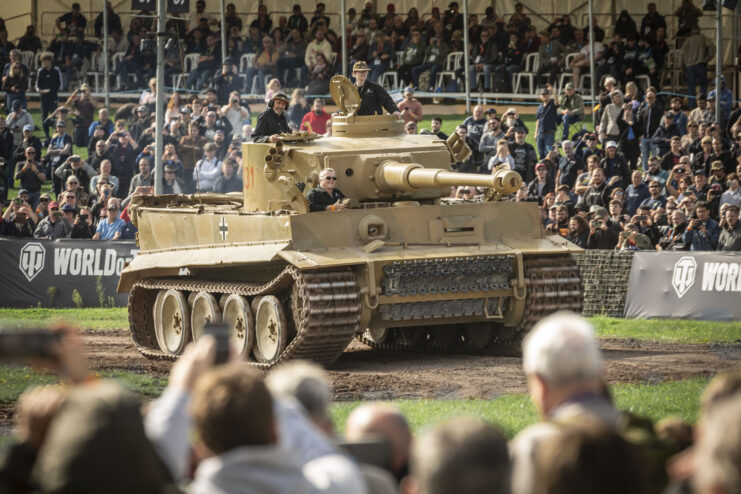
(402,268)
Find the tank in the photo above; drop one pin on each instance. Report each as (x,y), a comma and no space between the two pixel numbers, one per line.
(402,268)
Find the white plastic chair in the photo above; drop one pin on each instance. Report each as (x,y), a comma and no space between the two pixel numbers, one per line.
(96,70)
(190,61)
(452,63)
(528,72)
(566,74)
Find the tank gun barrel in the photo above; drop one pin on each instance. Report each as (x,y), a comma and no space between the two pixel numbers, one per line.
(393,175)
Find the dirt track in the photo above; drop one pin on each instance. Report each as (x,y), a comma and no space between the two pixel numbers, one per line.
(362,373)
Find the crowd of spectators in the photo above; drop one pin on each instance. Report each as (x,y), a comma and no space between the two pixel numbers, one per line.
(303,50)
(648,178)
(227,428)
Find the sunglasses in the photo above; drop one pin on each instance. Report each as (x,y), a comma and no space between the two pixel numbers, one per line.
(43,199)
(30,152)
(330,178)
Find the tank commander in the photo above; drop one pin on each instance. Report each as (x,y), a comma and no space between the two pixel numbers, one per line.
(326,197)
(272,121)
(373,98)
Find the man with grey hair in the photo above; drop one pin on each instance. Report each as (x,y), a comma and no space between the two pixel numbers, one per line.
(309,385)
(718,454)
(569,165)
(326,196)
(466,456)
(563,365)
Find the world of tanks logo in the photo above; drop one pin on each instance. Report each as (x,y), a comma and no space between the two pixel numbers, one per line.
(31,259)
(684,275)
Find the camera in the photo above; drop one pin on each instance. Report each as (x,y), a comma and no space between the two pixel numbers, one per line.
(595,223)
(83,217)
(642,217)
(679,171)
(25,343)
(18,201)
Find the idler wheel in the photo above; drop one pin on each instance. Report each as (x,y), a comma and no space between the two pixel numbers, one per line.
(238,318)
(271,329)
(203,310)
(478,335)
(171,321)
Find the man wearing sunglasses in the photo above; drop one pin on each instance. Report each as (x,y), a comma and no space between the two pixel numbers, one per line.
(326,197)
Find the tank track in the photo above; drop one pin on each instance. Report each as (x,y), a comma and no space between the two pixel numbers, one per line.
(554,284)
(326,310)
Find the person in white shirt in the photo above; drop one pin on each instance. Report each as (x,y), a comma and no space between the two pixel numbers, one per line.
(208,169)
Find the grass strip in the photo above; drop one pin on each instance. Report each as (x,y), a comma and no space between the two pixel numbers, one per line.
(85,318)
(668,330)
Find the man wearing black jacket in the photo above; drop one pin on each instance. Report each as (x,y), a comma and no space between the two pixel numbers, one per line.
(649,120)
(48,85)
(373,98)
(485,58)
(272,121)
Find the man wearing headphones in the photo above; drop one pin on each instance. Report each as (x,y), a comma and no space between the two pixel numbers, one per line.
(373,98)
(272,121)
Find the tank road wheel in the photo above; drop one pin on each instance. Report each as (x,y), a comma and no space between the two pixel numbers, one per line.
(271,329)
(478,335)
(377,335)
(203,310)
(238,318)
(171,321)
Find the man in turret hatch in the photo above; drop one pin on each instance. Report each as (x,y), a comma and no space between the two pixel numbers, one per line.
(326,197)
(373,98)
(272,121)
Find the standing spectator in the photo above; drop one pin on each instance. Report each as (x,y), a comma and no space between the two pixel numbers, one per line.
(114,22)
(475,125)
(48,84)
(570,109)
(523,154)
(142,123)
(144,178)
(687,14)
(316,120)
(649,120)
(625,26)
(208,169)
(652,21)
(598,191)
(172,184)
(703,232)
(16,120)
(546,120)
(696,51)
(410,107)
(298,20)
(490,140)
(502,158)
(124,154)
(628,136)
(235,113)
(7,158)
(730,236)
(73,21)
(578,231)
(671,159)
(14,84)
(678,116)
(54,226)
(664,134)
(60,148)
(103,122)
(435,55)
(726,101)
(111,227)
(84,104)
(190,152)
(608,128)
(74,166)
(228,180)
(569,165)
(636,193)
(200,13)
(17,220)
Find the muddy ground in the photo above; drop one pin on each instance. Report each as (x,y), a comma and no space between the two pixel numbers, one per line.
(363,374)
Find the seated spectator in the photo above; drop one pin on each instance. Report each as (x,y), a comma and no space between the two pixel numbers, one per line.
(316,120)
(702,113)
(465,456)
(730,235)
(208,62)
(73,21)
(673,234)
(523,154)
(265,66)
(319,76)
(111,227)
(54,226)
(15,84)
(435,56)
(228,180)
(29,41)
(563,365)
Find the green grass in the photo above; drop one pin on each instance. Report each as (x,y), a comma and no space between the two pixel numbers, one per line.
(661,330)
(668,330)
(512,413)
(93,318)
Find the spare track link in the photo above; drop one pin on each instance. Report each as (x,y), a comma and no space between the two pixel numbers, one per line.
(554,284)
(326,312)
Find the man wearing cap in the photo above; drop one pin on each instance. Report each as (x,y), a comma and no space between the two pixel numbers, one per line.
(546,120)
(16,120)
(570,108)
(172,184)
(523,154)
(142,123)
(54,226)
(410,107)
(373,98)
(410,128)
(48,84)
(74,166)
(272,121)
(316,120)
(540,185)
(111,227)
(453,20)
(730,236)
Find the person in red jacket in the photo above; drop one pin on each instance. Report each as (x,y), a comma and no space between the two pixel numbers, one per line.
(316,120)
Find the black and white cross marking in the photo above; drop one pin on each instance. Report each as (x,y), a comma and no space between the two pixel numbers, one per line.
(223,229)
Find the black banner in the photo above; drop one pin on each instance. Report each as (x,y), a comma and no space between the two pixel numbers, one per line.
(173,6)
(687,285)
(63,273)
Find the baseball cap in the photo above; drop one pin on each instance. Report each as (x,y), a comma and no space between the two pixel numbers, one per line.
(569,85)
(28,127)
(591,137)
(490,111)
(408,90)
(67,207)
(545,91)
(717,165)
(53,204)
(360,66)
(539,166)
(22,191)
(142,108)
(16,105)
(700,172)
(598,211)
(520,129)
(610,144)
